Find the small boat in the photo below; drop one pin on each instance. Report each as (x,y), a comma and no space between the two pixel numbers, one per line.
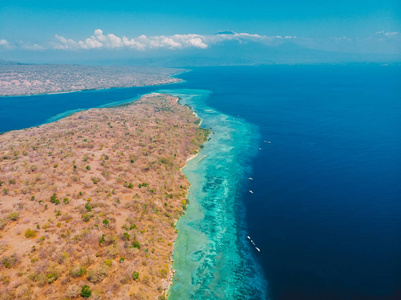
(248,237)
(257,249)
(250,178)
(250,191)
(269,142)
(260,148)
(202,159)
(265,141)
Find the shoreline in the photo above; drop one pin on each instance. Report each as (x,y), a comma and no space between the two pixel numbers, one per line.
(172,76)
(91,90)
(207,248)
(140,110)
(172,271)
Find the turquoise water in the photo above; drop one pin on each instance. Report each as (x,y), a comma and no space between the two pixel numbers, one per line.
(212,258)
(326,206)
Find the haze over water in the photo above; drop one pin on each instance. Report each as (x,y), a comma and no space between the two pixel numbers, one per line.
(325,209)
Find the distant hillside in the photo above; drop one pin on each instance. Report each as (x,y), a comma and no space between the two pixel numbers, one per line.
(9,62)
(250,53)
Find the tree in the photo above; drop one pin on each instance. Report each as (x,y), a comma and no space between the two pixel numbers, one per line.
(135,275)
(86,291)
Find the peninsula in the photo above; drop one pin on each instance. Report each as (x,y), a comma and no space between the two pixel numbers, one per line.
(22,79)
(89,203)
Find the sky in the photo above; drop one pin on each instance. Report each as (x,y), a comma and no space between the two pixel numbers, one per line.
(76,30)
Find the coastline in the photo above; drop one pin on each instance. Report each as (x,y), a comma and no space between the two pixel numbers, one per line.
(172,271)
(210,259)
(172,77)
(169,213)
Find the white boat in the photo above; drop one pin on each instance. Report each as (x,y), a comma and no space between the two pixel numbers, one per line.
(248,237)
(260,148)
(269,142)
(250,191)
(257,249)
(250,178)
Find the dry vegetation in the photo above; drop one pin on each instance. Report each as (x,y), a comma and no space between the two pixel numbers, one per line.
(89,203)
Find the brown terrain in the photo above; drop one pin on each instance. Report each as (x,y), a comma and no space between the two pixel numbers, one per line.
(88,204)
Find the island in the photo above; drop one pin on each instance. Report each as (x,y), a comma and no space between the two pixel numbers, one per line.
(89,204)
(24,79)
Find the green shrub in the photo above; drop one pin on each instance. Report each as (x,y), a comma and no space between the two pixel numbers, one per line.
(52,277)
(86,217)
(135,275)
(10,261)
(14,216)
(86,291)
(108,262)
(88,207)
(77,271)
(136,244)
(106,223)
(126,236)
(29,233)
(88,168)
(54,199)
(101,241)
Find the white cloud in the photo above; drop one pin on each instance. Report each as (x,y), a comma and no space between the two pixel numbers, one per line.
(246,37)
(391,33)
(110,41)
(4,43)
(176,41)
(29,46)
(395,35)
(20,45)
(100,40)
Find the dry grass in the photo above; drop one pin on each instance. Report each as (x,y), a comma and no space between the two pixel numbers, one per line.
(93,198)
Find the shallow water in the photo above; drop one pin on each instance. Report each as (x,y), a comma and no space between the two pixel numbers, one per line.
(326,203)
(211,257)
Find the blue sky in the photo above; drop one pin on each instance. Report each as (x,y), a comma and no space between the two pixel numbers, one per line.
(345,26)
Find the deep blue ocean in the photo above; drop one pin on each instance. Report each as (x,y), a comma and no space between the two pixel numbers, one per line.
(326,204)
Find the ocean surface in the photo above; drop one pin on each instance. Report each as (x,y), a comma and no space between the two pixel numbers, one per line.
(322,145)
